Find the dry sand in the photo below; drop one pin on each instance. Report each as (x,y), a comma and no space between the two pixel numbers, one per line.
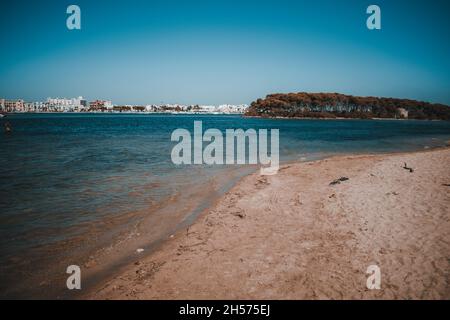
(294,236)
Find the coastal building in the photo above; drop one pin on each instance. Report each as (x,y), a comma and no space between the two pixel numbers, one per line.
(60,102)
(37,106)
(65,105)
(13,105)
(96,104)
(79,102)
(83,102)
(100,105)
(403,113)
(150,108)
(206,109)
(228,108)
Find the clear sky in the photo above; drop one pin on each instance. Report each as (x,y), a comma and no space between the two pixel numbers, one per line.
(223,51)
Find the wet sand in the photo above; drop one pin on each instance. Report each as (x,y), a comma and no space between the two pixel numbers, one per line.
(295,236)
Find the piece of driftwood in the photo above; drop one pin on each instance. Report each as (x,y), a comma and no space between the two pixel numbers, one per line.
(408,168)
(338,181)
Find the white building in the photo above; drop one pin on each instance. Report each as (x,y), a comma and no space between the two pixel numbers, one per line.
(228,108)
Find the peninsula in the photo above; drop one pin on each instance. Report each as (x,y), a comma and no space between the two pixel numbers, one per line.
(336,105)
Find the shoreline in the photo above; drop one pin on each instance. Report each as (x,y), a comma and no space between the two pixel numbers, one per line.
(115,253)
(153,277)
(155,228)
(217,114)
(337,118)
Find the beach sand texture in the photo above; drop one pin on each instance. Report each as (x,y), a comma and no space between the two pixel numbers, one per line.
(295,236)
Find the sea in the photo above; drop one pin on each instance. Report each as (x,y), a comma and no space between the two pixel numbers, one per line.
(99,190)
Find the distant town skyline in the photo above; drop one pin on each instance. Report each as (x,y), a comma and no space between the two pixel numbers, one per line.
(80,104)
(59,97)
(223,52)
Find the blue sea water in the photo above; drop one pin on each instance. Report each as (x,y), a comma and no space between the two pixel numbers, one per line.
(69,178)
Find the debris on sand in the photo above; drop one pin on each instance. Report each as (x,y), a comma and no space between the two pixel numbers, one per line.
(408,168)
(392,193)
(239,214)
(338,181)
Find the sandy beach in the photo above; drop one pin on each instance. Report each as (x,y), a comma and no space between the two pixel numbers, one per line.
(296,236)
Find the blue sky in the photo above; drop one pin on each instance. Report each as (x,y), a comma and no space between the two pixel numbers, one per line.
(213,52)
